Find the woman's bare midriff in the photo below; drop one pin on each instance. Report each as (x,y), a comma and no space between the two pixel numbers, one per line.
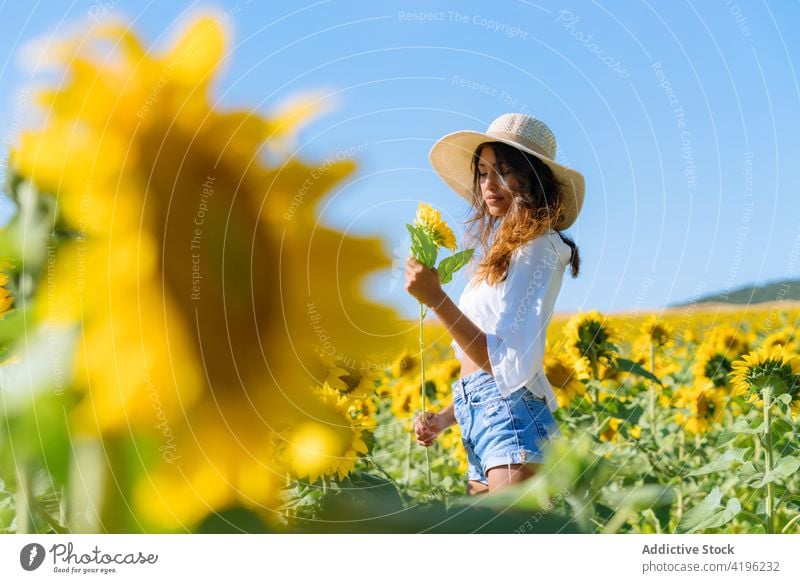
(467,367)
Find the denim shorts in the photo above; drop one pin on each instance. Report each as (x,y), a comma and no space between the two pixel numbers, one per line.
(497,430)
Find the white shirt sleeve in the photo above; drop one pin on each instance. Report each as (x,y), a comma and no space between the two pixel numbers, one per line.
(517,345)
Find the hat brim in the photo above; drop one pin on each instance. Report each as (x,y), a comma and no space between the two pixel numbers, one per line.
(451,157)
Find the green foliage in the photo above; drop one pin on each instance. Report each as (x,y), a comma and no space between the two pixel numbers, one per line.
(450,265)
(629,366)
(710,513)
(423,249)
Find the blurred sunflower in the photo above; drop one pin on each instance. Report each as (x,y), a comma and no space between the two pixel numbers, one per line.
(403,386)
(406,364)
(590,335)
(350,381)
(605,369)
(563,378)
(656,332)
(689,336)
(650,347)
(717,352)
(729,339)
(6,299)
(702,404)
(362,411)
(784,338)
(315,448)
(430,221)
(186,265)
(443,374)
(609,431)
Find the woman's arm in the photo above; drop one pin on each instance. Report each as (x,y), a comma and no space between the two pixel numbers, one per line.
(424,284)
(447,416)
(429,426)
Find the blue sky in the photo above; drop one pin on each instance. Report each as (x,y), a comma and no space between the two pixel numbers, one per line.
(681,115)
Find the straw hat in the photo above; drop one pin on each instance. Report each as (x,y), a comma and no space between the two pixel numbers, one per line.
(451,157)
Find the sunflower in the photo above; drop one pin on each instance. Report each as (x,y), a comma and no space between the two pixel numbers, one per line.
(317,449)
(729,339)
(716,354)
(430,221)
(185,271)
(649,347)
(406,364)
(443,374)
(776,368)
(590,335)
(610,430)
(688,336)
(656,332)
(6,299)
(785,338)
(363,412)
(605,370)
(703,405)
(563,378)
(351,381)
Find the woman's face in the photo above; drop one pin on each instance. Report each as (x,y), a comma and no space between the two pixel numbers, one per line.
(494,189)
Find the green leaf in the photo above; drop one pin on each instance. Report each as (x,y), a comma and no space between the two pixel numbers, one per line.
(629,366)
(30,227)
(779,428)
(737,429)
(450,265)
(748,473)
(709,513)
(734,456)
(785,467)
(731,510)
(422,248)
(235,520)
(645,496)
(45,365)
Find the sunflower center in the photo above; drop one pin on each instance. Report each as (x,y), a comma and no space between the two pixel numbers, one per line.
(717,369)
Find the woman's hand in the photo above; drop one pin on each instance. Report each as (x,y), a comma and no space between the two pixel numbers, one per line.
(427,428)
(423,283)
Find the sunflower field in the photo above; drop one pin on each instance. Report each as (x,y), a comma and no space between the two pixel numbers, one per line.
(173,357)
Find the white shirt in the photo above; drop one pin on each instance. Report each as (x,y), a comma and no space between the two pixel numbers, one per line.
(514,315)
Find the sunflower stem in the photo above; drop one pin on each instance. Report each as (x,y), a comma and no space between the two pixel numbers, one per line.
(595,373)
(422,312)
(652,391)
(770,501)
(408,458)
(114,507)
(681,456)
(595,392)
(23,502)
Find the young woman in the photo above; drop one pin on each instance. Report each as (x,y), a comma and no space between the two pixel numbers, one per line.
(521,201)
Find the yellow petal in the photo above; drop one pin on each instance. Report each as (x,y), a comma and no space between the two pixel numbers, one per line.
(198,52)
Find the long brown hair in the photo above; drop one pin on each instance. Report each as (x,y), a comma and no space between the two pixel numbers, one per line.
(536,206)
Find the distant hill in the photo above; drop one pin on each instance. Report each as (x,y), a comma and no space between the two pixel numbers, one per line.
(788,289)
